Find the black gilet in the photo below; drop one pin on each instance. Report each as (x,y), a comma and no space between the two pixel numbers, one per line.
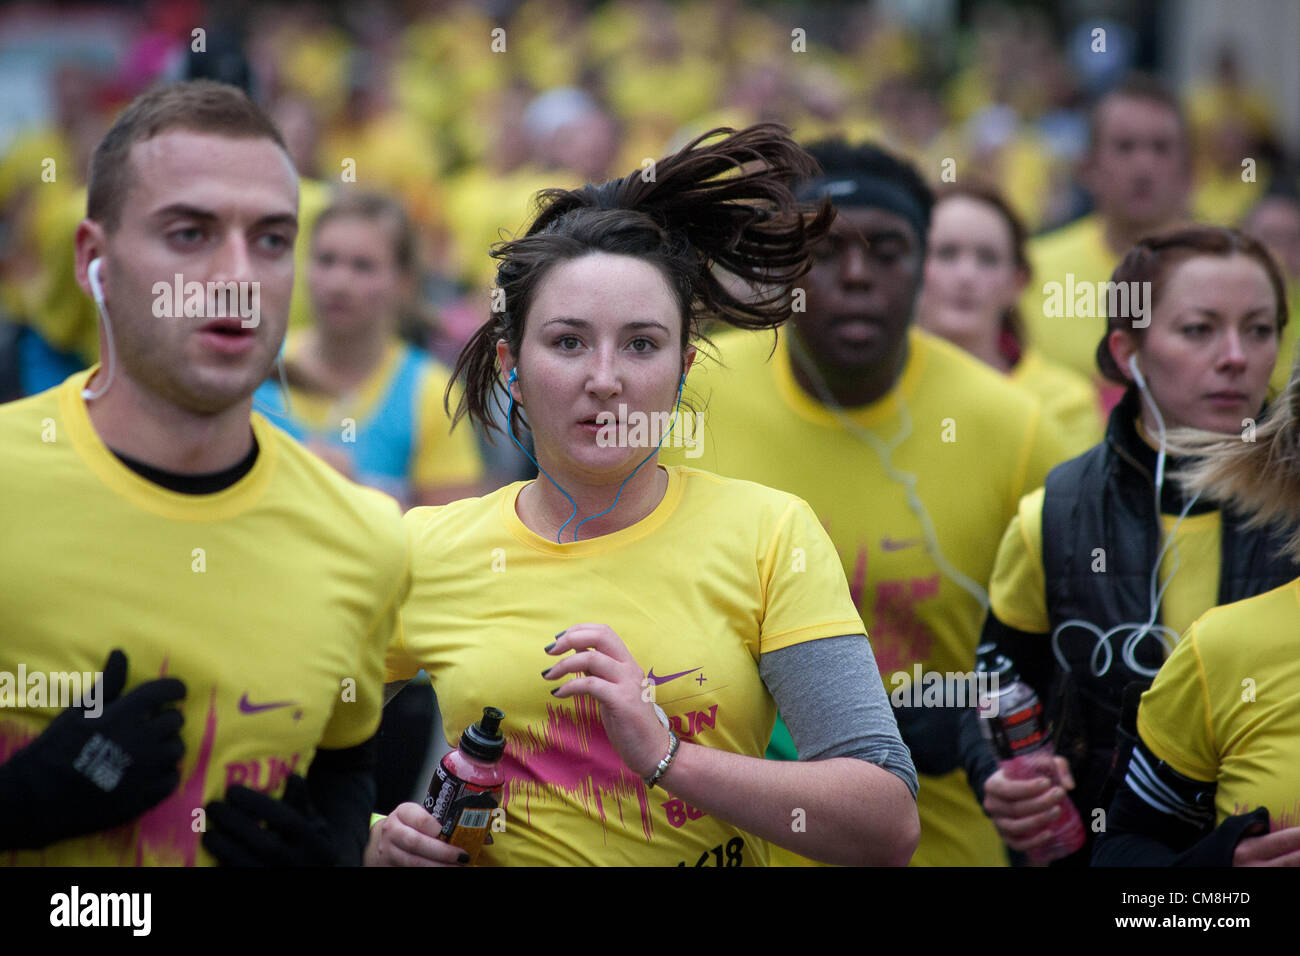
(1104,500)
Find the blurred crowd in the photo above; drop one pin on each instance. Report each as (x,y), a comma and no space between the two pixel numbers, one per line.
(423,132)
(463,110)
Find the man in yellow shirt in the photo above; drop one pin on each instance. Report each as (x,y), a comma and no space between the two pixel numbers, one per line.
(912,454)
(237,594)
(1138,171)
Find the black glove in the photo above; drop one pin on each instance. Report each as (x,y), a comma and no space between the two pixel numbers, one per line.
(295,834)
(85,774)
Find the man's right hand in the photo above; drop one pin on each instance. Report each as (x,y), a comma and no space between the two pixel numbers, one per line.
(1023,809)
(90,770)
(409,837)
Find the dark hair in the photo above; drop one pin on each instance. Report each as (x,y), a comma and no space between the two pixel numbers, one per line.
(202,106)
(1138,86)
(728,203)
(838,158)
(990,196)
(1154,258)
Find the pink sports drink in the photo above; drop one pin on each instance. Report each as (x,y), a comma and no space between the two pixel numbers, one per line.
(1012,720)
(466,787)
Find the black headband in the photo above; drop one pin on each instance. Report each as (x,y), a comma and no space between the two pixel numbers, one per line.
(863,190)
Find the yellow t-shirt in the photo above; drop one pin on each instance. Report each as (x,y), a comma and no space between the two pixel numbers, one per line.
(1223,198)
(273,600)
(1018,591)
(642,87)
(484,207)
(975,443)
(550,52)
(1223,707)
(1067,397)
(718,573)
(1070,257)
(34,159)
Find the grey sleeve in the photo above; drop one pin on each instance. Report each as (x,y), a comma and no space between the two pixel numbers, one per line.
(833,702)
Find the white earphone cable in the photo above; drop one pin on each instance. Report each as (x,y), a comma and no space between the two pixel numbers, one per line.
(97,291)
(885,453)
(1136,631)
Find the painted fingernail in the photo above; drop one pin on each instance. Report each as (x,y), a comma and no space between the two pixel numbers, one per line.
(545,672)
(562,633)
(554,691)
(463,858)
(547,648)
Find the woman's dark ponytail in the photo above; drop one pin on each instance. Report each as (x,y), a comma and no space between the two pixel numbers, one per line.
(725,203)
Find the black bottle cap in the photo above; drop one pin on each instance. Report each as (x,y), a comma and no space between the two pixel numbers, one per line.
(991,663)
(483,740)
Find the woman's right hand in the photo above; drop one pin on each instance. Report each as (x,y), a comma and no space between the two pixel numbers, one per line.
(1279,848)
(409,837)
(1023,809)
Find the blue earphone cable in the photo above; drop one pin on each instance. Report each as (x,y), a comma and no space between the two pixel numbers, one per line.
(514,377)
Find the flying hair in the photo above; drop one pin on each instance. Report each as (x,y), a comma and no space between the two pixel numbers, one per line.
(724,201)
(1259,478)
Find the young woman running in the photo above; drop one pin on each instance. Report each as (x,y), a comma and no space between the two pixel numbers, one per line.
(640,625)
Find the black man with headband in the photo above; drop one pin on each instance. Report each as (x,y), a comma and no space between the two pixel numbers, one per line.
(912,454)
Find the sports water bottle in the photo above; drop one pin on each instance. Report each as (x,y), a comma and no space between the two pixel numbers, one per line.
(1012,720)
(467,784)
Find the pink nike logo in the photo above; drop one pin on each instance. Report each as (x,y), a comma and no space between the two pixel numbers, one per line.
(664,680)
(890,544)
(249,708)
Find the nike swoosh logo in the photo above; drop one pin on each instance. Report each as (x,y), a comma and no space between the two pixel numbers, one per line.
(890,544)
(248,708)
(664,680)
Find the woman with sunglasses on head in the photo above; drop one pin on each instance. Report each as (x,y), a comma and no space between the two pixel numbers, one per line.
(640,625)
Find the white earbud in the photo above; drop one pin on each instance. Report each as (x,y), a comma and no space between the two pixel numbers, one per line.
(1137,374)
(92,274)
